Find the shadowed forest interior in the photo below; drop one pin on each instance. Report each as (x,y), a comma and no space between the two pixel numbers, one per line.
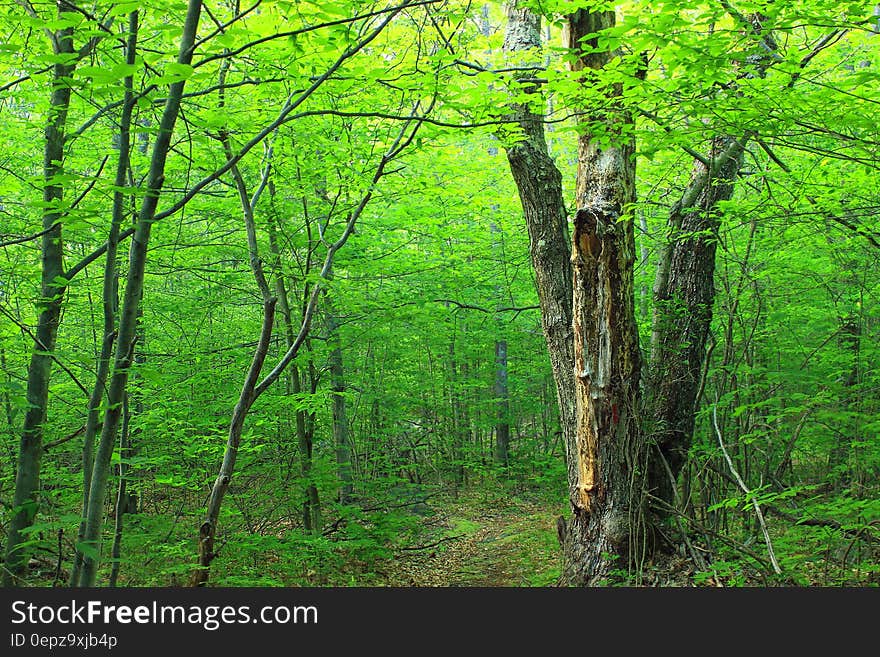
(440,293)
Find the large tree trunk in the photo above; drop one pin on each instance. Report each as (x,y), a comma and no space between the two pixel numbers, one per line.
(684,293)
(27,475)
(606,498)
(540,191)
(594,345)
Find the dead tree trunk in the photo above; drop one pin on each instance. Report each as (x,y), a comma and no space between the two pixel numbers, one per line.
(605,529)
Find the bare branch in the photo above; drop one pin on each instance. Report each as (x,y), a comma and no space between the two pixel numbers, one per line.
(745,489)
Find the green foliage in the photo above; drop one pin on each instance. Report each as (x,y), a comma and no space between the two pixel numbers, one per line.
(438,270)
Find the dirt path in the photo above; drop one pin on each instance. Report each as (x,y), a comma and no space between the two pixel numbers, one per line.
(514,546)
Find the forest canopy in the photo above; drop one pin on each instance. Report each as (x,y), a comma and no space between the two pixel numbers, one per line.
(434,292)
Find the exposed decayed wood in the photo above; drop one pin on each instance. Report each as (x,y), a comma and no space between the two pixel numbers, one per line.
(606,498)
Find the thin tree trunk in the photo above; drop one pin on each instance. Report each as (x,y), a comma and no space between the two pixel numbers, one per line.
(251,390)
(838,461)
(502,405)
(246,398)
(130,305)
(247,395)
(122,500)
(311,512)
(110,291)
(305,429)
(54,285)
(341,436)
(500,389)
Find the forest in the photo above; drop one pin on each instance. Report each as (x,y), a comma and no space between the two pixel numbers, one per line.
(439,293)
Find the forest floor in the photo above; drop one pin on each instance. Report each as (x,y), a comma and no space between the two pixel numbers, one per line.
(473,543)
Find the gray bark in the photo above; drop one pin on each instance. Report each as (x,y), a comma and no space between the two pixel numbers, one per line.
(502,405)
(341,438)
(110,291)
(539,183)
(27,476)
(500,389)
(122,498)
(131,302)
(247,396)
(311,511)
(684,295)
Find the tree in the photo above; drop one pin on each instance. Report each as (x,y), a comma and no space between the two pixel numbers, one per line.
(330,194)
(54,284)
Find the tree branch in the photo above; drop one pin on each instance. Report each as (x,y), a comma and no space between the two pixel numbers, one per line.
(746,490)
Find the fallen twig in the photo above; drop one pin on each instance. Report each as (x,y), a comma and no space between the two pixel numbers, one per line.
(430,545)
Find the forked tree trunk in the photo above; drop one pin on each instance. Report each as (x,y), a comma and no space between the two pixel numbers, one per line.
(246,398)
(110,291)
(305,422)
(130,307)
(588,312)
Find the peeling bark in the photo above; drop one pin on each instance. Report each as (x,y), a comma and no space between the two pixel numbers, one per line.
(604,530)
